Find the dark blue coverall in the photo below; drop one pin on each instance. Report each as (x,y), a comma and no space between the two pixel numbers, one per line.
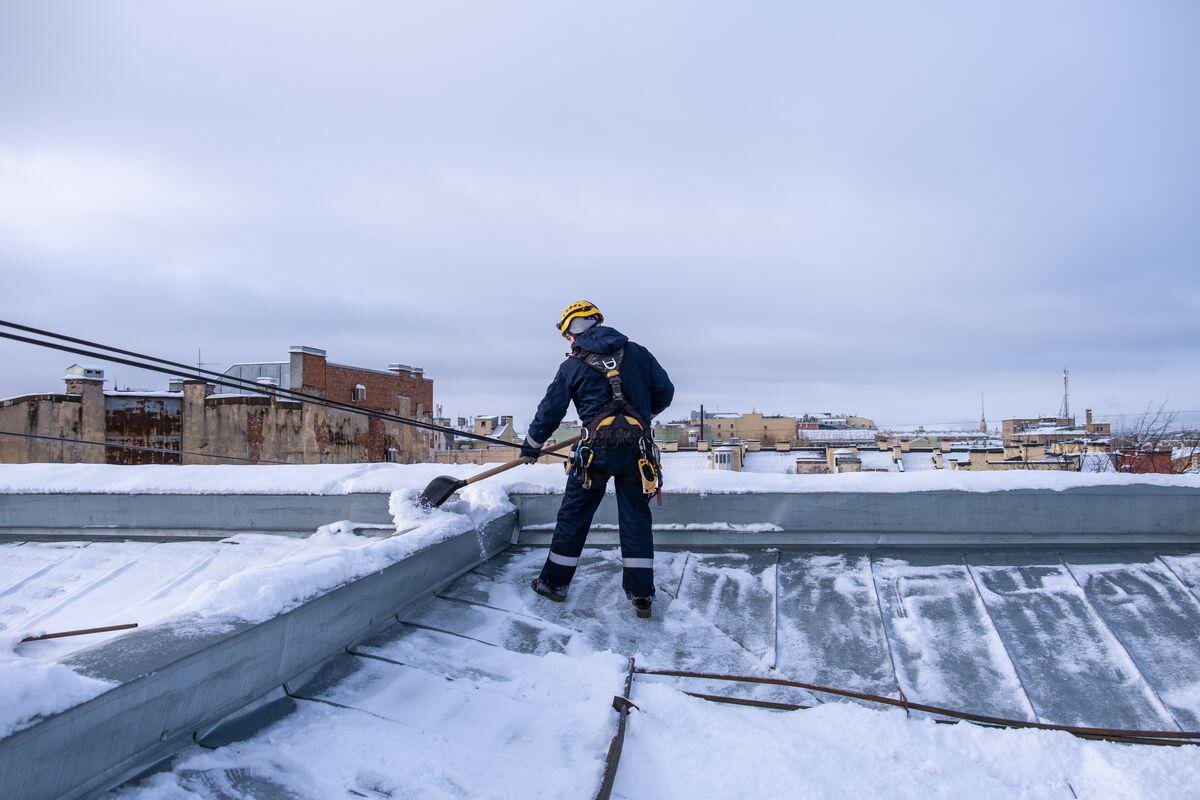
(647,387)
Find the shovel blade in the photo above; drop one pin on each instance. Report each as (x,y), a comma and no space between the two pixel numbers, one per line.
(439,490)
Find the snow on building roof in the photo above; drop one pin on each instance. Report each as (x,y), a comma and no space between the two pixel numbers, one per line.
(773,461)
(839,435)
(984,443)
(877,461)
(1095,462)
(142,393)
(917,460)
(685,460)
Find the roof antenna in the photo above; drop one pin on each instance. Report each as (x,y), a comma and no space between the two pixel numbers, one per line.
(1065,411)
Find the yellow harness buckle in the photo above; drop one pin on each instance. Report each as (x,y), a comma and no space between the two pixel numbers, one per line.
(649,475)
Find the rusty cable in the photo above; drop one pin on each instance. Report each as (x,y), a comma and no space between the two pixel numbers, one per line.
(1125,734)
(621,704)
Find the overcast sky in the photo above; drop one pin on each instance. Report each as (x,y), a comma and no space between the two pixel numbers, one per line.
(879,208)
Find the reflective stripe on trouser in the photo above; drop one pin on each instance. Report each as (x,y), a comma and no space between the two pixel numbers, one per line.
(565,561)
(633,512)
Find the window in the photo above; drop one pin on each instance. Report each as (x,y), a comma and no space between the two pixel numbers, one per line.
(393,455)
(360,392)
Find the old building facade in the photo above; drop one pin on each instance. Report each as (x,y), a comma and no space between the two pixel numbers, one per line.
(192,423)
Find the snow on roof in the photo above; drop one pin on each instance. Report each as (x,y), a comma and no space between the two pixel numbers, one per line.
(142,393)
(1051,428)
(1095,462)
(839,435)
(685,460)
(340,479)
(986,443)
(773,461)
(940,431)
(916,460)
(877,461)
(489,668)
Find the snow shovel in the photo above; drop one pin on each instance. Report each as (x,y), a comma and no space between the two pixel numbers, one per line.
(439,489)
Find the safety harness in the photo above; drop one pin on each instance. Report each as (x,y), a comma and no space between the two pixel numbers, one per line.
(617,424)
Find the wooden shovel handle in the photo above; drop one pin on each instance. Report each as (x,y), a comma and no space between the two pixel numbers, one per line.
(516,462)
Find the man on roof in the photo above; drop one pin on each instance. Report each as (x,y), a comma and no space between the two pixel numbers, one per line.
(618,387)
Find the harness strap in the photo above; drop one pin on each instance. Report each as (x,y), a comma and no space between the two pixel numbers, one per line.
(649,465)
(609,365)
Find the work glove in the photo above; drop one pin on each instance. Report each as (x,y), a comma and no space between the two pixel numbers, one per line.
(530,451)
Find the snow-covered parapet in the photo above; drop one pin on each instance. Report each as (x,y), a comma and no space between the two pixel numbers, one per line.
(199,588)
(340,479)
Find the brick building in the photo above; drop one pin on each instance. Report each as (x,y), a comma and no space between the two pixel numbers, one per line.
(199,423)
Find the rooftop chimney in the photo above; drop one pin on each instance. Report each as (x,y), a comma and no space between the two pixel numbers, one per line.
(81,372)
(413,372)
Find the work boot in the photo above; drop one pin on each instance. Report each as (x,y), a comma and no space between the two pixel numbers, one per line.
(556,593)
(641,607)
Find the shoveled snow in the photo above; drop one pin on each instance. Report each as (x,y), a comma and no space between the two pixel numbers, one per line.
(247,578)
(30,688)
(535,478)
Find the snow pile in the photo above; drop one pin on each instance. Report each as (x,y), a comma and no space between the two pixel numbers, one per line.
(266,583)
(682,747)
(334,556)
(32,689)
(221,478)
(527,479)
(724,482)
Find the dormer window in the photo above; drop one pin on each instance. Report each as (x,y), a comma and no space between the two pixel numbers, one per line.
(360,392)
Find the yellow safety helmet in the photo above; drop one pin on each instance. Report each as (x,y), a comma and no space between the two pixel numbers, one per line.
(578,309)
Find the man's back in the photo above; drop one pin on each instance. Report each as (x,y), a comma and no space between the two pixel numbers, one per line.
(646,384)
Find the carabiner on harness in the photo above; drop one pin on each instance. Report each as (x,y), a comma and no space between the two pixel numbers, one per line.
(650,477)
(581,459)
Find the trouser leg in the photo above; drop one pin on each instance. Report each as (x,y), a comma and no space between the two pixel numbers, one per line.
(637,536)
(570,531)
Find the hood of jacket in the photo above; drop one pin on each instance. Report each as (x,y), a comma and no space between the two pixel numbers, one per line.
(601,340)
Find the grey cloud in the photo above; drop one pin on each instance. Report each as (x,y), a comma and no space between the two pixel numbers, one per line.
(797,206)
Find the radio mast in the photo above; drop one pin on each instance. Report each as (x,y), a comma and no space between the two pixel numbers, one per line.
(1065,411)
